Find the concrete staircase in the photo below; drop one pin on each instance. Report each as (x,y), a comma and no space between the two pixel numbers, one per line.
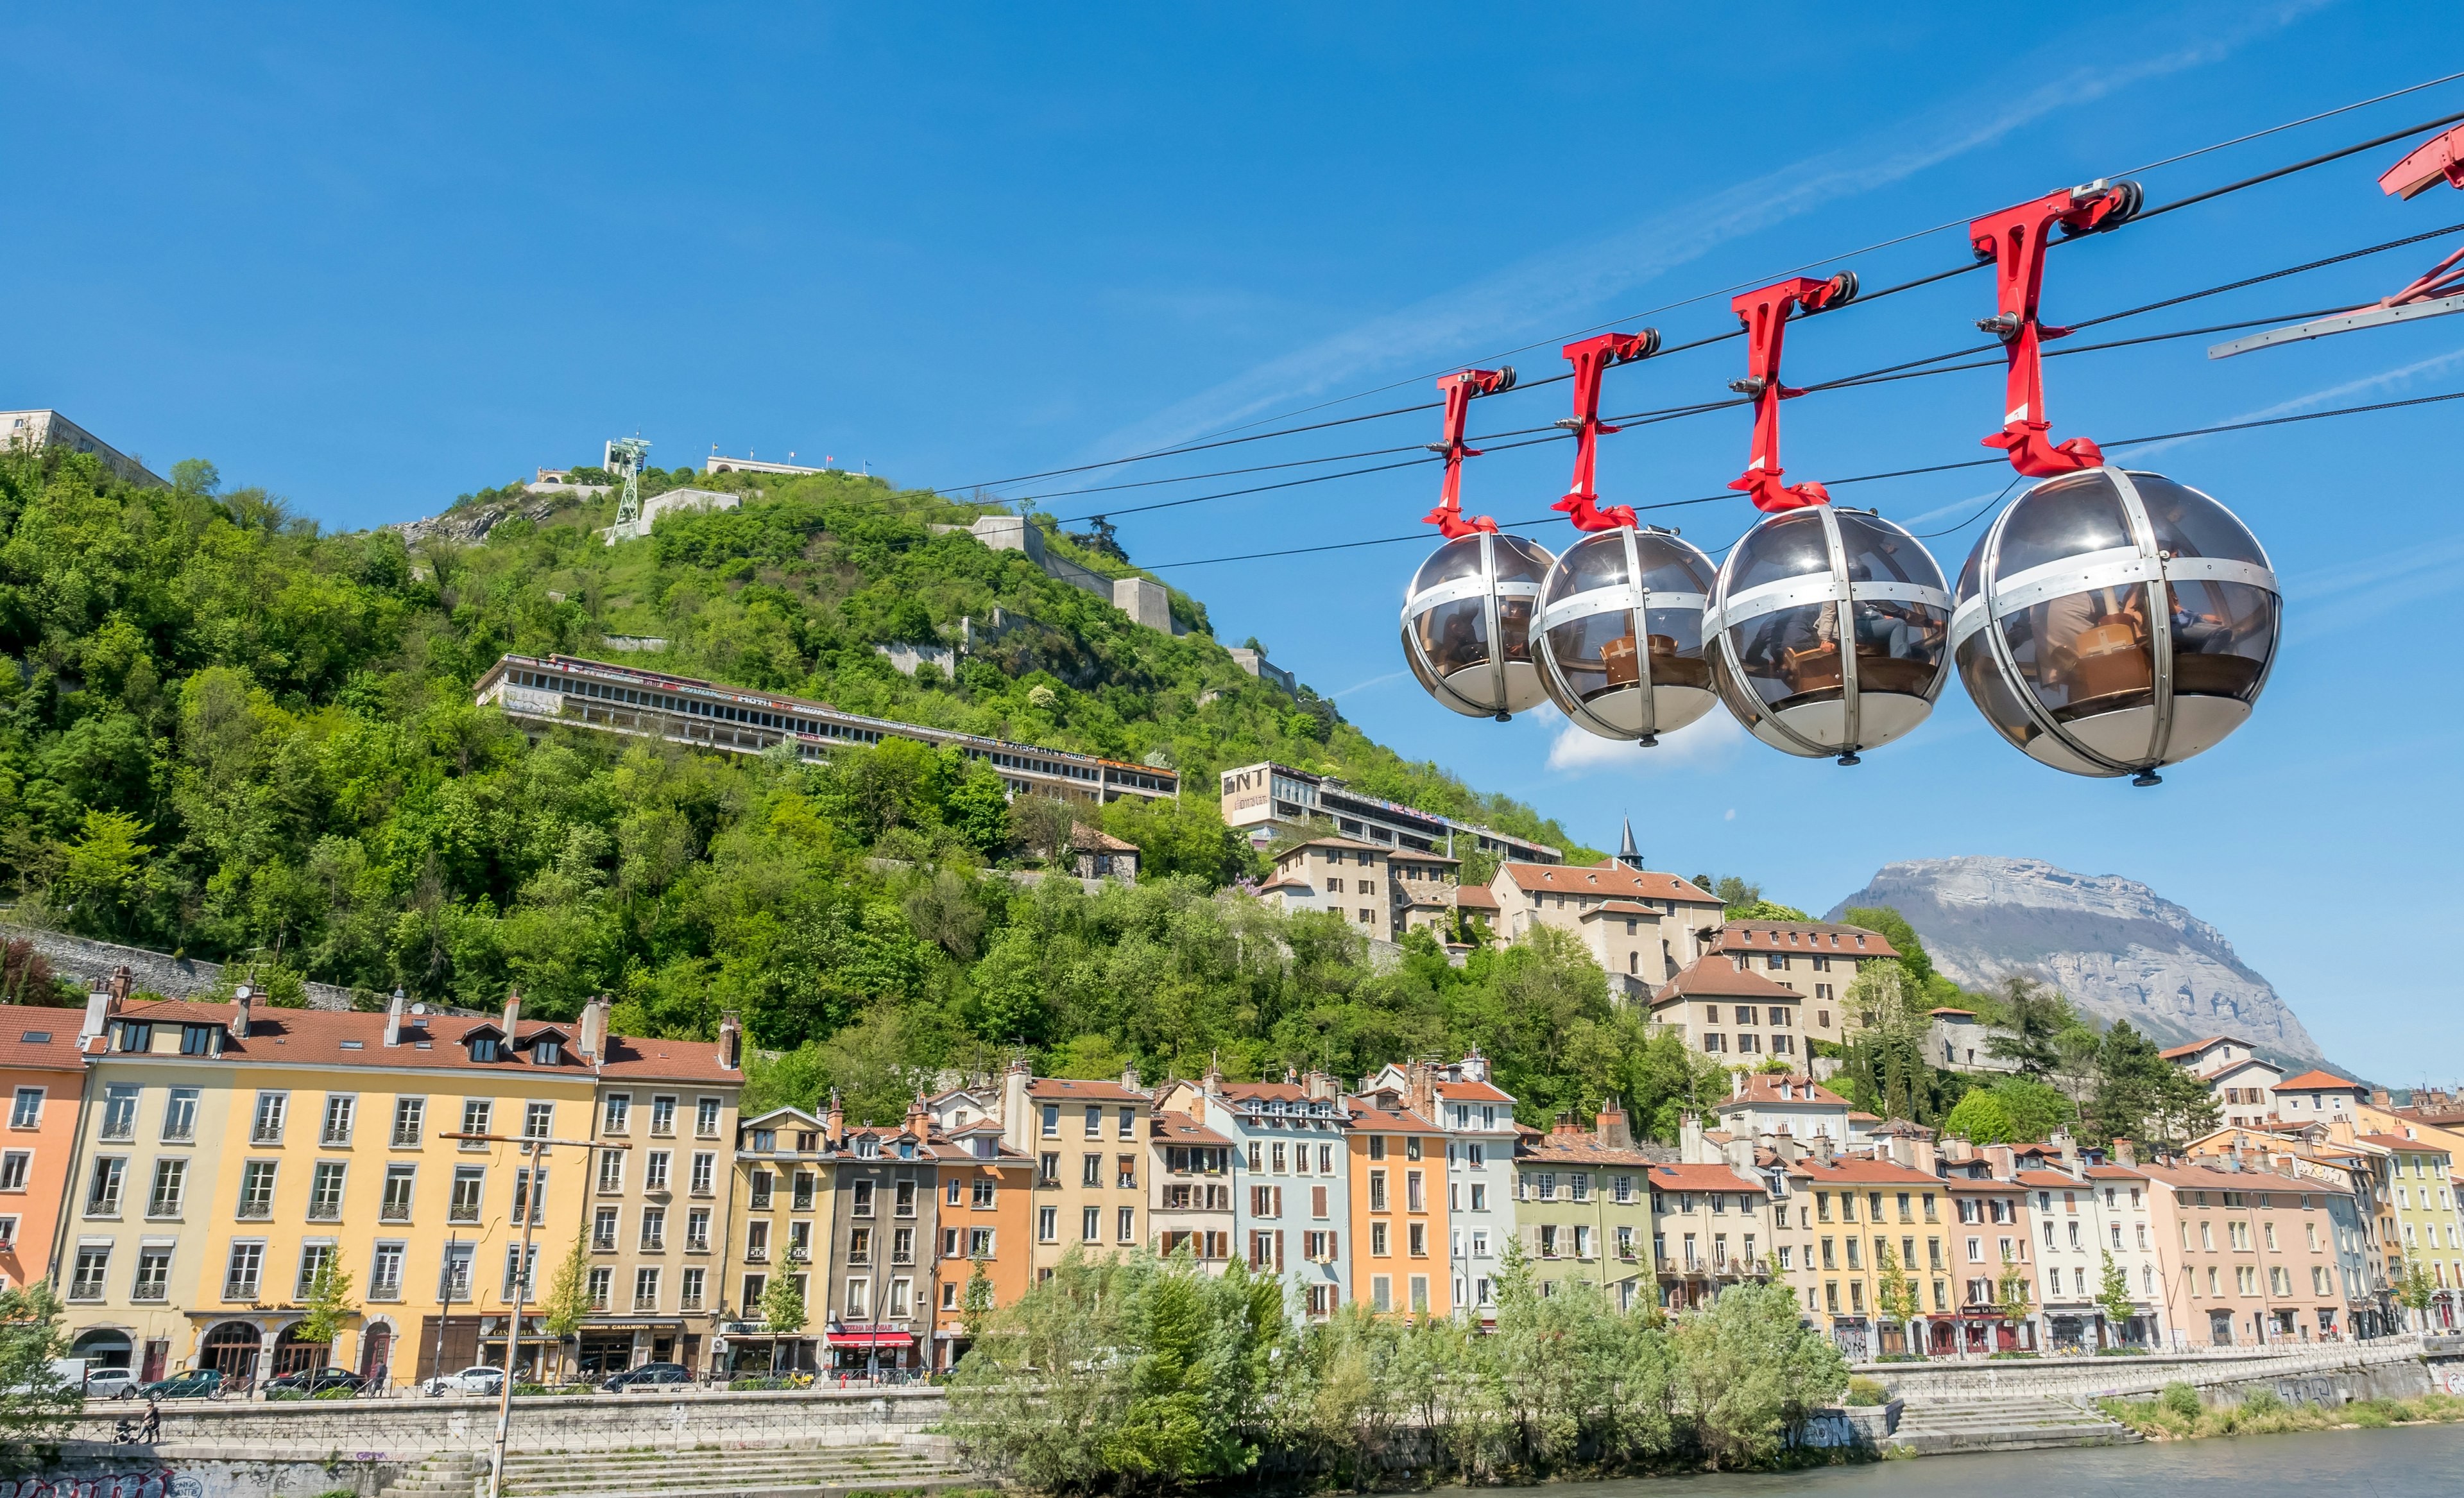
(770,1472)
(2020,1423)
(455,1475)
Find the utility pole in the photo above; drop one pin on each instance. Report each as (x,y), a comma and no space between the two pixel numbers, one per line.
(535,1150)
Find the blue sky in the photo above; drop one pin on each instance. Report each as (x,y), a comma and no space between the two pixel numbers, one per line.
(373,257)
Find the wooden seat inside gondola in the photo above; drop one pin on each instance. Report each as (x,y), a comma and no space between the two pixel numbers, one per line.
(1814,668)
(1617,656)
(2201,674)
(2109,662)
(1672,669)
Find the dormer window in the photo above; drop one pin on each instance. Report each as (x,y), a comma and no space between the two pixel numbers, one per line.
(546,1052)
(484,1048)
(868,1148)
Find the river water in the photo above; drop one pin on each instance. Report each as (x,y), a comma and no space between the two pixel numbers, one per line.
(2416,1461)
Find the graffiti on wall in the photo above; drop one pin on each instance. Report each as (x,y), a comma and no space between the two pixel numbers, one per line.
(162,1482)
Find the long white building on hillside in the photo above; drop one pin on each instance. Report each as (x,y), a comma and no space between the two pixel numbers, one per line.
(563,689)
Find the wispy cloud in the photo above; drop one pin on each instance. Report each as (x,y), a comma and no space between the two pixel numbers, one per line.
(1372,682)
(1555,287)
(2383,381)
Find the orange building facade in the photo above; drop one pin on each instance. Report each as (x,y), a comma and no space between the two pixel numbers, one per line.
(44,1080)
(1399,1248)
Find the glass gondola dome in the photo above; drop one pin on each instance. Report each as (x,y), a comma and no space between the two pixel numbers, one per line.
(1468,623)
(2113,622)
(1774,627)
(1620,641)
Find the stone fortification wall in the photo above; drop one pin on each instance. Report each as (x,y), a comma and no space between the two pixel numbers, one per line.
(171,976)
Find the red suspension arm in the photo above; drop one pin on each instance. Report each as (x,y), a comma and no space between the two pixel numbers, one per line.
(1765,313)
(1592,359)
(1458,388)
(2015,241)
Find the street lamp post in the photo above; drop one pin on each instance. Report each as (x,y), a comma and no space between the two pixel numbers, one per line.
(536,1148)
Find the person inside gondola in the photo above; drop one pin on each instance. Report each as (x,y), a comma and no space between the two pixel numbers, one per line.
(2199,634)
(1458,644)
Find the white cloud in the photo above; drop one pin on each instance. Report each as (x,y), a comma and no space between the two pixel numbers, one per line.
(1732,815)
(1575,752)
(1557,286)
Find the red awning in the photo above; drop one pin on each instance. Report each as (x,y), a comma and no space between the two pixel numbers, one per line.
(871,1336)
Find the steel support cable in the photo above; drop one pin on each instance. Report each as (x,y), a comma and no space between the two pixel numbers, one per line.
(2144,214)
(1860,479)
(1912,369)
(1880,244)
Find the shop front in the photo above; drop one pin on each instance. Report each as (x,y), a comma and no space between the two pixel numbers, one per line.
(607,1345)
(859,1348)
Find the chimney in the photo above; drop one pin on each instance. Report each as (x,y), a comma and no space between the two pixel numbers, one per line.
(1927,1159)
(920,1118)
(1959,1152)
(513,1012)
(240,998)
(99,1005)
(1420,1078)
(1016,1127)
(594,1031)
(1903,1152)
(2004,1161)
(731,1038)
(2377,1095)
(1130,1079)
(1823,1150)
(835,1119)
(395,1012)
(1736,1084)
(122,981)
(1615,1132)
(2070,1154)
(1564,1124)
(2126,1155)
(1474,1066)
(1322,1087)
(1690,1147)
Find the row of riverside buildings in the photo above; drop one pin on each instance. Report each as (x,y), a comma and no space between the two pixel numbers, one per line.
(183,1170)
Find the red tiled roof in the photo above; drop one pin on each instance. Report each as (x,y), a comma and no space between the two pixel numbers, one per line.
(2397,1141)
(1803,936)
(1611,878)
(1065,1089)
(1582,1147)
(1476,897)
(56,1051)
(1388,1120)
(2113,1173)
(1700,1177)
(1717,978)
(1471,1092)
(1181,1129)
(1855,1170)
(1096,840)
(1289,848)
(316,1037)
(2045,1178)
(1764,1090)
(2177,1052)
(2316,1082)
(1619,908)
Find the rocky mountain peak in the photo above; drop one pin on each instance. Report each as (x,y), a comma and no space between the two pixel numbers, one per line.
(2120,949)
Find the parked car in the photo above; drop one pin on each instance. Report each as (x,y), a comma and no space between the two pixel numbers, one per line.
(314,1381)
(650,1375)
(200,1383)
(479,1378)
(110,1383)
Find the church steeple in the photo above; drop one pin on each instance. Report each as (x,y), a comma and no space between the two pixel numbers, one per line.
(1627,853)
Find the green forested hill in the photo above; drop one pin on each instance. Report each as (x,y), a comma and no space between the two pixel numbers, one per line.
(228,733)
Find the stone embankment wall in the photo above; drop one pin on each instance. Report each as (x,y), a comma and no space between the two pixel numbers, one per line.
(2391,1367)
(412,1428)
(171,976)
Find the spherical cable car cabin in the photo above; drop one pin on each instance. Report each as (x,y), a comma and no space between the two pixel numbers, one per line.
(1468,623)
(2111,621)
(1622,642)
(1782,661)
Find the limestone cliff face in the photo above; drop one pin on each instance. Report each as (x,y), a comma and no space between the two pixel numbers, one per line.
(2115,946)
